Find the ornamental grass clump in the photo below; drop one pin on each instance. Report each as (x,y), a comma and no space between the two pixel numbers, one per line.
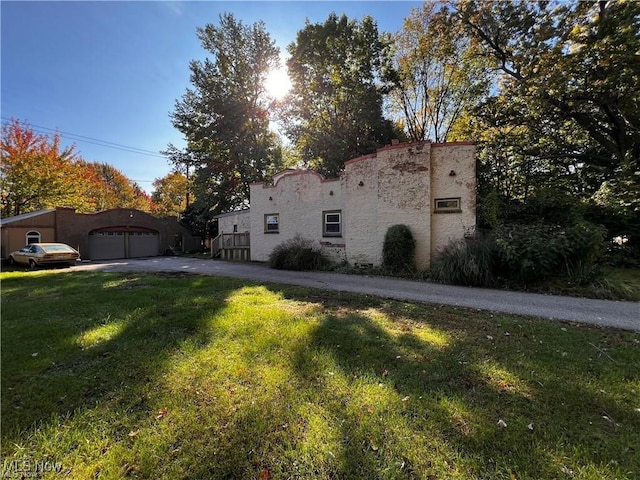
(470,261)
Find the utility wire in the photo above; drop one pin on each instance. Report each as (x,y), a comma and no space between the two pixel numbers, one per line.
(94,141)
(98,141)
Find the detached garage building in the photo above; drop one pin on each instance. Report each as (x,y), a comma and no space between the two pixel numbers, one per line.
(111,234)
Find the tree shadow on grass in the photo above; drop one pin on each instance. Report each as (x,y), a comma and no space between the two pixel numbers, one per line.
(361,387)
(455,376)
(77,355)
(380,389)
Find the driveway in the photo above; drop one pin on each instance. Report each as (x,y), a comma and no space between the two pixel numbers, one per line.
(623,315)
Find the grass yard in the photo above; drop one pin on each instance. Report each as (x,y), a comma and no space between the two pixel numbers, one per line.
(172,376)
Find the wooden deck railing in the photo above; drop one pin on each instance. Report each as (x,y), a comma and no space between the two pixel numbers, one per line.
(231,246)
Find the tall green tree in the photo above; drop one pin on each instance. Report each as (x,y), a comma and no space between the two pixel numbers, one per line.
(334,111)
(224,117)
(560,137)
(437,75)
(574,66)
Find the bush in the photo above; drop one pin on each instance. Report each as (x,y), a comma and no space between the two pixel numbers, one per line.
(522,254)
(398,250)
(470,262)
(548,205)
(533,253)
(622,223)
(298,253)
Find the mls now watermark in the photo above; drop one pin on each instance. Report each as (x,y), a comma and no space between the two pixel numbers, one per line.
(26,468)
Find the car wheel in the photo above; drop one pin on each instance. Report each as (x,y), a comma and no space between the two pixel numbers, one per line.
(12,262)
(32,264)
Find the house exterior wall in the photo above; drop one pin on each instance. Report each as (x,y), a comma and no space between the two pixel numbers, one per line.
(14,234)
(395,189)
(299,198)
(241,218)
(396,185)
(458,158)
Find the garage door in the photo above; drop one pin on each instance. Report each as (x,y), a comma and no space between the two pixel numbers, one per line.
(143,244)
(106,245)
(109,244)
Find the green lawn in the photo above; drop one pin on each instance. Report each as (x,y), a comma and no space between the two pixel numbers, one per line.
(173,376)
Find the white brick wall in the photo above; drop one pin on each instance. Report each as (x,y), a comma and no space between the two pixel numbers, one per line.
(240,218)
(397,184)
(459,159)
(298,197)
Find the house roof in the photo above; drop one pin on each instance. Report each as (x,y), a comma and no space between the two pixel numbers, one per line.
(24,216)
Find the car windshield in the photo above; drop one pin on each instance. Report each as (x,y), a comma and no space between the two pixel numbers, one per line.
(57,248)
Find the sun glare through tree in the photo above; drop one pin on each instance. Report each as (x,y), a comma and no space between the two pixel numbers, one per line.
(278,83)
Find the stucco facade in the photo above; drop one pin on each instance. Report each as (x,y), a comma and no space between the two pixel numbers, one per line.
(234,222)
(428,187)
(453,174)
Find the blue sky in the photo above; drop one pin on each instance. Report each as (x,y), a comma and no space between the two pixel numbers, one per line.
(110,72)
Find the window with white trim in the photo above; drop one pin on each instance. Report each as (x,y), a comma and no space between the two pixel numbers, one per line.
(272,223)
(32,237)
(447,205)
(332,223)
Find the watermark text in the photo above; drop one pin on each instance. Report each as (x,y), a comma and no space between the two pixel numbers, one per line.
(29,468)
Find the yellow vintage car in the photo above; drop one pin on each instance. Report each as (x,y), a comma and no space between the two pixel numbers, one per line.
(37,254)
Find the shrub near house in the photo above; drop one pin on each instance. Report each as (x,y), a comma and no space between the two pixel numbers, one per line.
(298,253)
(522,254)
(399,249)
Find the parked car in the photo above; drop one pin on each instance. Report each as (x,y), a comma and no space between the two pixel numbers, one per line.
(37,254)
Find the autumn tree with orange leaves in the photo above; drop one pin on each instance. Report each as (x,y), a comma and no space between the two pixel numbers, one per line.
(171,194)
(35,170)
(116,190)
(38,173)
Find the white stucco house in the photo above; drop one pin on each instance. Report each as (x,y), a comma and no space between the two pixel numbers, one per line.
(430,187)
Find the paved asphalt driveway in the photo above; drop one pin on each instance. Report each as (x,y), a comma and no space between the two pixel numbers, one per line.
(624,315)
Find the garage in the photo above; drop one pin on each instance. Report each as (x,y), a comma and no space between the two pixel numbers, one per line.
(132,242)
(110,234)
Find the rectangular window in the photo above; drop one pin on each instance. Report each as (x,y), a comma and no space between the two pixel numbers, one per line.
(332,223)
(447,205)
(271,223)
